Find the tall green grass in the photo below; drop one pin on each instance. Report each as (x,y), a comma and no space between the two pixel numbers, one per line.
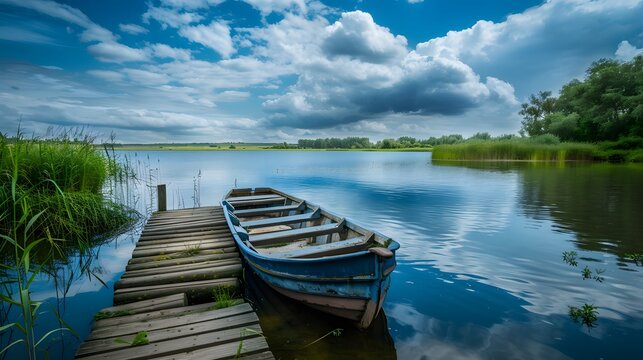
(62,177)
(52,205)
(516,149)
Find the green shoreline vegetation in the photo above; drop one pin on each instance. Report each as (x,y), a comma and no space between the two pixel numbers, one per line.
(599,118)
(52,206)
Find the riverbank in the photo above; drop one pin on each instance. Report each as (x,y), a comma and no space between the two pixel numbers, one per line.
(519,149)
(248,147)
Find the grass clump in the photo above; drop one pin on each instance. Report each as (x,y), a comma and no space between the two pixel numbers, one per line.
(111,314)
(224,297)
(141,338)
(61,178)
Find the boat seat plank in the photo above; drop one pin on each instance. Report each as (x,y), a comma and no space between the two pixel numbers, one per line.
(287,235)
(334,248)
(253,197)
(266,210)
(257,202)
(281,220)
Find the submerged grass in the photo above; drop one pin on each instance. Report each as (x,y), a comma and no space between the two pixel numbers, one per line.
(514,150)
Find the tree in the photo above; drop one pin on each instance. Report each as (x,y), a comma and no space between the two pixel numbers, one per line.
(535,113)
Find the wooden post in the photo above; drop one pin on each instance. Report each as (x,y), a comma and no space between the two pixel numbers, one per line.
(161,197)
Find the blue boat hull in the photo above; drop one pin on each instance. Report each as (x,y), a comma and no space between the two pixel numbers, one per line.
(351,286)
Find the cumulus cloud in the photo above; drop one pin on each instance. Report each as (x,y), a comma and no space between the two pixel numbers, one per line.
(216,36)
(116,53)
(357,36)
(543,47)
(375,76)
(133,29)
(627,51)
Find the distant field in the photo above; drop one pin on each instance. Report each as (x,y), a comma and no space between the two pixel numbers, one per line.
(240,147)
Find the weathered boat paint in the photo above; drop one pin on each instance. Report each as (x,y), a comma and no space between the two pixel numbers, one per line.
(352,285)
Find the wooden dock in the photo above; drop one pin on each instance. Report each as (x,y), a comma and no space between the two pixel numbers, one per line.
(181,254)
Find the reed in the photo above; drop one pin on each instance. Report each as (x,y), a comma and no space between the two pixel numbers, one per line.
(62,178)
(52,205)
(514,150)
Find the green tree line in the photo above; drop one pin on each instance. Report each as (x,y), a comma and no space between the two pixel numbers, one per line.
(606,106)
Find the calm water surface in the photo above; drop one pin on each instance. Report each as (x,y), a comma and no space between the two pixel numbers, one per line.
(480,272)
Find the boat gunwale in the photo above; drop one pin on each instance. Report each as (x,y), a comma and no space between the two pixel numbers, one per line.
(393,245)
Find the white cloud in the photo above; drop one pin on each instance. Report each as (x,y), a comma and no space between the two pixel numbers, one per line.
(191,4)
(93,31)
(171,17)
(357,36)
(215,36)
(166,51)
(375,76)
(268,6)
(133,29)
(108,75)
(545,46)
(146,78)
(627,51)
(414,1)
(117,53)
(18,34)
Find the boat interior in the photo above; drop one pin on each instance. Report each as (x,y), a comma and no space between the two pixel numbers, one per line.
(280,225)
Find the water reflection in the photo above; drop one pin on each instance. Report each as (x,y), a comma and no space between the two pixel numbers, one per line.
(479,273)
(294,330)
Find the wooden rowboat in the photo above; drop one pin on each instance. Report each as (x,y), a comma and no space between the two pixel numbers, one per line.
(310,254)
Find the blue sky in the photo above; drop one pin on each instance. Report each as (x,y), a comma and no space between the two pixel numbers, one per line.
(280,70)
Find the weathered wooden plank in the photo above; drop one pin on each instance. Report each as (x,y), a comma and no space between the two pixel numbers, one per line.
(133,328)
(176,230)
(201,334)
(288,235)
(192,219)
(183,225)
(179,261)
(282,220)
(224,351)
(267,210)
(182,255)
(242,203)
(165,302)
(180,248)
(168,240)
(185,244)
(253,197)
(207,273)
(147,316)
(181,267)
(185,235)
(334,248)
(127,295)
(190,210)
(174,347)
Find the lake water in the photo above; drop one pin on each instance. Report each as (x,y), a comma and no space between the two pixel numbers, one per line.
(480,272)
